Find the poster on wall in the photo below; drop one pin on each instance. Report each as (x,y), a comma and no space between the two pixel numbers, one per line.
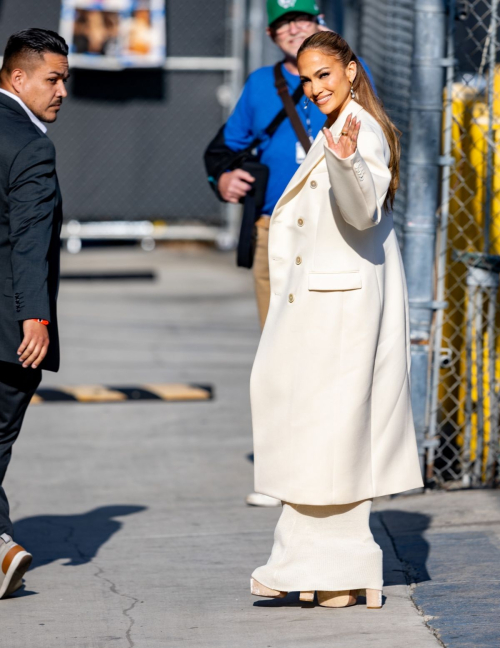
(114,34)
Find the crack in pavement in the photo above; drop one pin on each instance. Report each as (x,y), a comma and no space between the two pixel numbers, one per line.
(113,588)
(69,539)
(410,573)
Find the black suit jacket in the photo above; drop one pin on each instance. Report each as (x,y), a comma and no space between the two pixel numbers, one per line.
(30,226)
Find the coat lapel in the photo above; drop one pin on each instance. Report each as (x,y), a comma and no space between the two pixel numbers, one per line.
(8,102)
(316,154)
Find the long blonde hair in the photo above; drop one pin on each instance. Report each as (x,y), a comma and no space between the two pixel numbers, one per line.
(333,44)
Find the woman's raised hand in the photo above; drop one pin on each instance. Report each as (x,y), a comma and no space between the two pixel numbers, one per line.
(348,140)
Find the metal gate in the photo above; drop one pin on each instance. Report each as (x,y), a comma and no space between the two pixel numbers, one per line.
(463,410)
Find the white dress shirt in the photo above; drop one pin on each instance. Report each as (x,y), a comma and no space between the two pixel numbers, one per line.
(33,117)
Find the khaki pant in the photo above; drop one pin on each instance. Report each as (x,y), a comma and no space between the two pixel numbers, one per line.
(261,269)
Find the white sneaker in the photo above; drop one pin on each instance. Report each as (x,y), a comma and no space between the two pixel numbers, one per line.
(257,499)
(14,563)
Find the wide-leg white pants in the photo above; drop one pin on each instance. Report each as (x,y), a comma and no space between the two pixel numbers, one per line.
(325,548)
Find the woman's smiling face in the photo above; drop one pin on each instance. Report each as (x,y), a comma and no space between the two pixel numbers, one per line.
(325,80)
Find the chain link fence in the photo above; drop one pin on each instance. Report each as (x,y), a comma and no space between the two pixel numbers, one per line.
(386,43)
(462,443)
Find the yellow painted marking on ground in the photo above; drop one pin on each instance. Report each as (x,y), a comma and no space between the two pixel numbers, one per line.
(94,394)
(36,400)
(173,391)
(103,394)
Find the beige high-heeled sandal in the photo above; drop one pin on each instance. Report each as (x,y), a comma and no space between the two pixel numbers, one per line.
(373,599)
(340,599)
(347,598)
(257,589)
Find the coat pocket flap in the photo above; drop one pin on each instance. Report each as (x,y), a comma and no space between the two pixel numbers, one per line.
(335,281)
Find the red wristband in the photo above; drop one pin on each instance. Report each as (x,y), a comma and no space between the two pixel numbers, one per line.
(41,321)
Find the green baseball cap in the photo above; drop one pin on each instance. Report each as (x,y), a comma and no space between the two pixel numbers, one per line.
(278,8)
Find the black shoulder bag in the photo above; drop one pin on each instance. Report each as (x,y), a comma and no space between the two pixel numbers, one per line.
(219,158)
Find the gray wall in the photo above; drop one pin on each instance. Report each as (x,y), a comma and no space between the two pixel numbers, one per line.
(130,143)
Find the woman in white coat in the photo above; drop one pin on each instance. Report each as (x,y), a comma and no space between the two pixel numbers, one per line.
(330,386)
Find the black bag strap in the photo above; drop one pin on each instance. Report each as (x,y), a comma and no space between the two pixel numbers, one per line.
(289,106)
(247,239)
(273,126)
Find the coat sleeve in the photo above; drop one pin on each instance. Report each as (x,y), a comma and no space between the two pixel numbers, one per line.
(32,202)
(361,181)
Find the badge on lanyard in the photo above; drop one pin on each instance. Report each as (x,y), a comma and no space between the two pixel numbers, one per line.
(300,154)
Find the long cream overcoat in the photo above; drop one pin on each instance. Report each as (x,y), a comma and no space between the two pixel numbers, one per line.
(330,386)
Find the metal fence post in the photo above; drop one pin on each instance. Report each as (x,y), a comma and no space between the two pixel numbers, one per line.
(442,246)
(422,193)
(257,24)
(351,22)
(228,237)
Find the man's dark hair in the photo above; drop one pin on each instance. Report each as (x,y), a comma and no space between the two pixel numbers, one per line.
(30,43)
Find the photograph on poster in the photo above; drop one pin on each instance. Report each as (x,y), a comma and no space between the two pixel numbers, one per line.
(114,34)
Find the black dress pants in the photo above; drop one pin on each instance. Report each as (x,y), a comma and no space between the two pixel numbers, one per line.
(17,386)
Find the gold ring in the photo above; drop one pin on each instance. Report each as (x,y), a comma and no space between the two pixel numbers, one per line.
(343,133)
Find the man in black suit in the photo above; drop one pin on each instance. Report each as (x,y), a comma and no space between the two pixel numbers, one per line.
(32,88)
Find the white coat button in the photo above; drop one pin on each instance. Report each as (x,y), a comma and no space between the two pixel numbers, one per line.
(300,222)
(314,184)
(298,260)
(291,298)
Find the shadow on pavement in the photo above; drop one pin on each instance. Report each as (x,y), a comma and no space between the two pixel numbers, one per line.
(290,600)
(76,538)
(406,533)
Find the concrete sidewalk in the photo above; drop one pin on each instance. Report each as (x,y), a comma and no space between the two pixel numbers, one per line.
(135,511)
(449,544)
